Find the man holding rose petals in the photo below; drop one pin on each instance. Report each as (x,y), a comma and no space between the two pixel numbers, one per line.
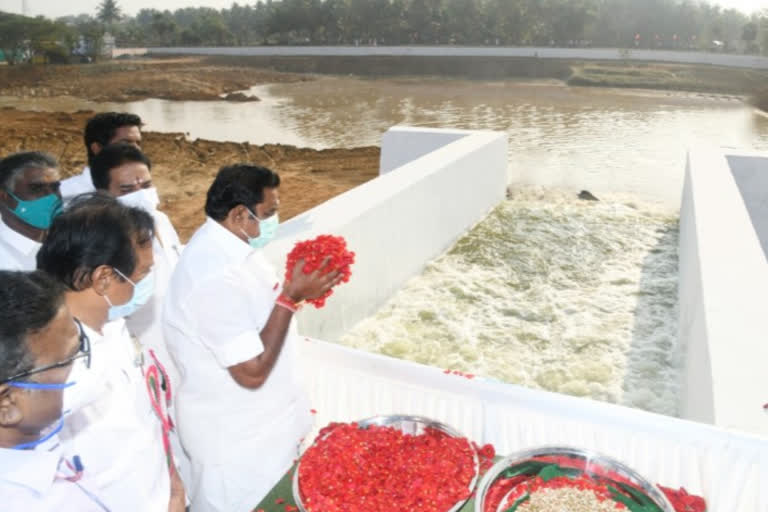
(229,325)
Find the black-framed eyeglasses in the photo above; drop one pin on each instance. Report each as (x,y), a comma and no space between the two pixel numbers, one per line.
(83,353)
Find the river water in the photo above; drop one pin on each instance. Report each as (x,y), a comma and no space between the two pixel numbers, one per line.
(549,291)
(604,140)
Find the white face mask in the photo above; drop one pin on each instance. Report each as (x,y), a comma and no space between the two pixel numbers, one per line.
(145,198)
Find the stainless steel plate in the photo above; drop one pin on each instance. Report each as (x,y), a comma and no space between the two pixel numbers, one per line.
(591,459)
(413,425)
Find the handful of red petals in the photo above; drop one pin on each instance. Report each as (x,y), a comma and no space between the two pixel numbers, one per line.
(314,252)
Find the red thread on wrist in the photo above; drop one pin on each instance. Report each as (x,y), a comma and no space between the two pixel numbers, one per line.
(286,302)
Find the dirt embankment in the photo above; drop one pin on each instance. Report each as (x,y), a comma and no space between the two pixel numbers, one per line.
(211,78)
(643,75)
(183,170)
(190,79)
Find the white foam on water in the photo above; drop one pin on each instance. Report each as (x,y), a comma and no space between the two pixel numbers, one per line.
(548,292)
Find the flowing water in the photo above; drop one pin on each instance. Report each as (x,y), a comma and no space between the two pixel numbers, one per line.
(549,291)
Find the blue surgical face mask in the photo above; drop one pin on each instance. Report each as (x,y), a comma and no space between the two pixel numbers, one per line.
(267,231)
(142,292)
(38,213)
(56,427)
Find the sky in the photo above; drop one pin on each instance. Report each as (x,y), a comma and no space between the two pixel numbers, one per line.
(56,8)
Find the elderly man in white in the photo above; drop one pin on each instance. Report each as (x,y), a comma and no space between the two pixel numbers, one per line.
(229,325)
(29,200)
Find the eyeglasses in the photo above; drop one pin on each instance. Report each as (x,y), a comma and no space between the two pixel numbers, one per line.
(83,353)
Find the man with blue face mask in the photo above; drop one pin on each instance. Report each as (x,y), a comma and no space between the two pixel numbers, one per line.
(39,343)
(101,251)
(29,200)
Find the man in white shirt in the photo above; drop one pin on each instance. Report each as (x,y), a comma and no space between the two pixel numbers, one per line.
(39,342)
(101,130)
(229,326)
(29,199)
(123,171)
(101,251)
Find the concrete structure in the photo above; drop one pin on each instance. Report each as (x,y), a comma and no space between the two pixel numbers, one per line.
(618,54)
(723,290)
(729,469)
(131,52)
(751,174)
(408,216)
(403,219)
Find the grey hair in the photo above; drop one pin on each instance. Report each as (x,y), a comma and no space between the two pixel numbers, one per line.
(12,166)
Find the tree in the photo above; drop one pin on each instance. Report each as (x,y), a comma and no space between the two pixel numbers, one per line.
(92,38)
(749,32)
(763,21)
(22,37)
(109,12)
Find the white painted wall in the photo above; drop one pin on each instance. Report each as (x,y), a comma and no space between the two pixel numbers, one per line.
(730,470)
(717,59)
(751,175)
(723,300)
(133,52)
(399,221)
(403,144)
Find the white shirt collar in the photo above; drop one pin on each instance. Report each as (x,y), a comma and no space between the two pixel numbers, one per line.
(25,246)
(34,469)
(230,244)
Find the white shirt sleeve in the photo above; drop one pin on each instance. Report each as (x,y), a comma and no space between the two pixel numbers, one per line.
(230,316)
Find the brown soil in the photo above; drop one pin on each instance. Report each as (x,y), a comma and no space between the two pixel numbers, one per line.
(188,79)
(183,170)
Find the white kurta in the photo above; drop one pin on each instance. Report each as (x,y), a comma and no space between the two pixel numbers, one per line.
(35,481)
(240,441)
(77,184)
(113,427)
(146,323)
(17,252)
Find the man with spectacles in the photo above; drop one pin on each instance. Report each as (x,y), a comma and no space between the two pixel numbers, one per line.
(101,251)
(39,342)
(29,200)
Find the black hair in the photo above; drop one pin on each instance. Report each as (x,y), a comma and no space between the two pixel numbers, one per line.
(113,156)
(94,230)
(12,166)
(238,184)
(102,128)
(29,301)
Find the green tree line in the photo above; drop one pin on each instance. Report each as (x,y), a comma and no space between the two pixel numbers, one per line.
(601,23)
(668,24)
